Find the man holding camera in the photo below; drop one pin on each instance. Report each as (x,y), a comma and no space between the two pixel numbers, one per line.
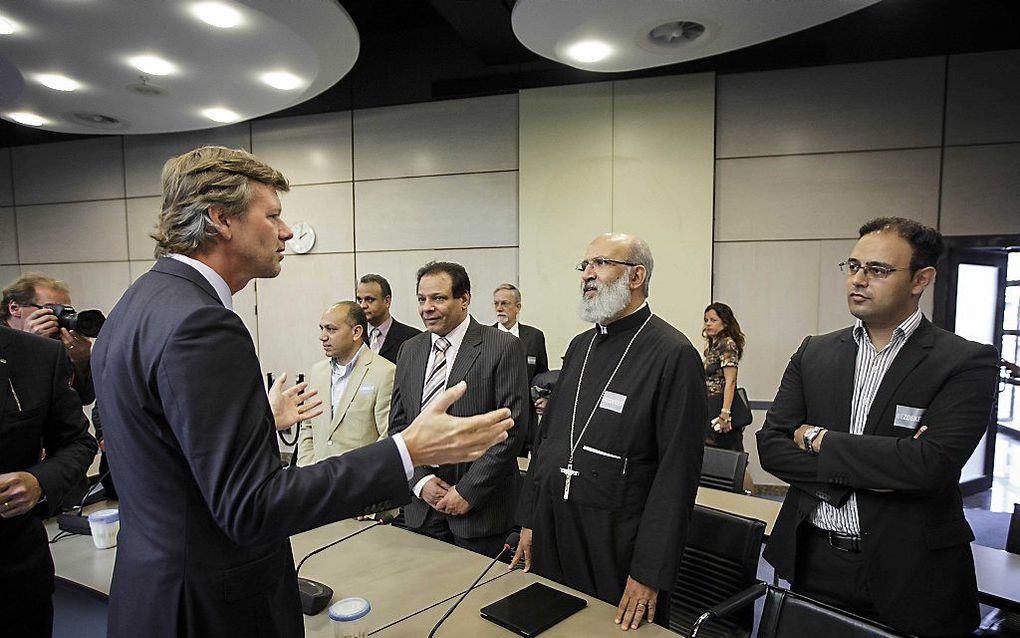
(38,304)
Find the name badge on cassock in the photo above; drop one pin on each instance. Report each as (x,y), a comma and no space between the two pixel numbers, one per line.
(532,360)
(613,401)
(908,417)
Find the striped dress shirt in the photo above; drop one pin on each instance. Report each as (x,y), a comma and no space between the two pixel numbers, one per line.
(869,371)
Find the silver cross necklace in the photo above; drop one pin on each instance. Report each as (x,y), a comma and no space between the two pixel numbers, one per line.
(569,472)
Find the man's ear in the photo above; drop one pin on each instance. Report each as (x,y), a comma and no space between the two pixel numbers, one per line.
(219,220)
(14,309)
(923,278)
(637,278)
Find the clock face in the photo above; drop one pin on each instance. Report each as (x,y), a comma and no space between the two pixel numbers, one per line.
(303,239)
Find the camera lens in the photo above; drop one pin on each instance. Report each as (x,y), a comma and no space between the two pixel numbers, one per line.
(87,322)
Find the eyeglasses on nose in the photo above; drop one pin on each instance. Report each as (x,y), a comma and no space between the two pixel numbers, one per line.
(851,267)
(602,262)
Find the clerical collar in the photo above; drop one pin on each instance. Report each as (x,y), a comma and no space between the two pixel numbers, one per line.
(631,321)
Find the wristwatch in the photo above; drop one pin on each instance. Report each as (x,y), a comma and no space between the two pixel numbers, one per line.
(809,440)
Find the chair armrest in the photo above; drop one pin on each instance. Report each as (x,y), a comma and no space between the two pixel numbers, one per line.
(731,604)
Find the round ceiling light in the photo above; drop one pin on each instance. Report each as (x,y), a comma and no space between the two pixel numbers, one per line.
(219,114)
(589,51)
(6,26)
(28,119)
(58,82)
(216,14)
(153,65)
(282,80)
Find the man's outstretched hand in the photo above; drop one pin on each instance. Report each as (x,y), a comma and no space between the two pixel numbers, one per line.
(294,404)
(436,438)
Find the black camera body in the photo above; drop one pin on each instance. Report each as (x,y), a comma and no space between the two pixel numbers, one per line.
(86,322)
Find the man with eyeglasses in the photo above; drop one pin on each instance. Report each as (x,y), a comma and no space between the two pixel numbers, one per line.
(611,486)
(26,307)
(871,427)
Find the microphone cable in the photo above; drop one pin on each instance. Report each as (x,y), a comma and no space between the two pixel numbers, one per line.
(511,542)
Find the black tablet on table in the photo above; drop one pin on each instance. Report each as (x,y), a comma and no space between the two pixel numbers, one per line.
(532,610)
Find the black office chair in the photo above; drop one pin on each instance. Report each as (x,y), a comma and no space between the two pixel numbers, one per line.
(720,560)
(790,615)
(723,469)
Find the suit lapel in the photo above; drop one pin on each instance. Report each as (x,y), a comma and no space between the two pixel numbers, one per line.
(419,361)
(844,364)
(466,355)
(353,384)
(184,271)
(914,351)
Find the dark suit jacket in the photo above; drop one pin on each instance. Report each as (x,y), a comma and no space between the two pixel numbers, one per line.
(398,334)
(915,539)
(494,365)
(49,418)
(206,508)
(534,347)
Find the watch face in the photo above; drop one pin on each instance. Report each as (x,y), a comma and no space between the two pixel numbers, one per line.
(303,239)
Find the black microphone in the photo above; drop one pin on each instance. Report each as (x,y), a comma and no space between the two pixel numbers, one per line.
(315,595)
(510,543)
(76,523)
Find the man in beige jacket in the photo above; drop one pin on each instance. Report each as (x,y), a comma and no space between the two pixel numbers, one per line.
(355,382)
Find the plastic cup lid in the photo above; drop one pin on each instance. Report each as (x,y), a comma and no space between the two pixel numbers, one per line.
(104,516)
(349,609)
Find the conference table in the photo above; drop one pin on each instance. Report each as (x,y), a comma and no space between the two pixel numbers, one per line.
(409,579)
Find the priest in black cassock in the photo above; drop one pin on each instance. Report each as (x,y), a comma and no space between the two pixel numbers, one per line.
(611,485)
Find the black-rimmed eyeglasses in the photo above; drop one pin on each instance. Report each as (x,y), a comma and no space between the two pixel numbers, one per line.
(601,262)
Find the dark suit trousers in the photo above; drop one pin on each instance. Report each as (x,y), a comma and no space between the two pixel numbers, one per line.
(437,527)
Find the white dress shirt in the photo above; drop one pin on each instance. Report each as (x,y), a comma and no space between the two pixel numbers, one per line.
(339,375)
(515,331)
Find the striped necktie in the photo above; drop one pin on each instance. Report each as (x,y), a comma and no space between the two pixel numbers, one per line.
(436,380)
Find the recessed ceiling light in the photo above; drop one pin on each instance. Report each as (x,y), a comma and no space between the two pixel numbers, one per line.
(6,26)
(216,14)
(57,82)
(589,51)
(28,119)
(153,65)
(282,80)
(221,115)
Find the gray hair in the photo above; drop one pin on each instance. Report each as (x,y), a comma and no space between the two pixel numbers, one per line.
(512,288)
(640,253)
(204,177)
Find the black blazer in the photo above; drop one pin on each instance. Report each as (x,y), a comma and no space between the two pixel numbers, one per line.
(48,418)
(398,334)
(915,539)
(206,507)
(534,347)
(495,367)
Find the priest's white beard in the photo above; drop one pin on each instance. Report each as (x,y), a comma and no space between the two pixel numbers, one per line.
(609,300)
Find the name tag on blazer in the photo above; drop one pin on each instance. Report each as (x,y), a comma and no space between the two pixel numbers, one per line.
(366,389)
(908,417)
(532,361)
(613,401)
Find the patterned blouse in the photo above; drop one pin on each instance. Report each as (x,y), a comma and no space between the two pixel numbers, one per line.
(717,357)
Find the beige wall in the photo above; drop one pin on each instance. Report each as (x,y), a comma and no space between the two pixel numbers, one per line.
(633,156)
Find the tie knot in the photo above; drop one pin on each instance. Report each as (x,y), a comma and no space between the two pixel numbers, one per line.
(375,332)
(442,344)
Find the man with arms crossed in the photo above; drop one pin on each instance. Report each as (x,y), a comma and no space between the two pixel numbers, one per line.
(206,508)
(871,427)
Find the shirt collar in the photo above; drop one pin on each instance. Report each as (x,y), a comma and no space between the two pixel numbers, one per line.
(383,328)
(903,331)
(210,275)
(515,331)
(455,336)
(342,371)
